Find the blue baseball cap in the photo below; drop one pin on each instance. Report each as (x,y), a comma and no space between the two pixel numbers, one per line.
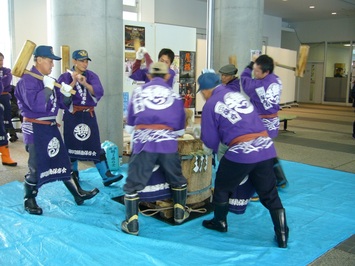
(208,81)
(45,51)
(81,55)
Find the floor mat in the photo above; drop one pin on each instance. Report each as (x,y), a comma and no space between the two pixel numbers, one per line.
(319,205)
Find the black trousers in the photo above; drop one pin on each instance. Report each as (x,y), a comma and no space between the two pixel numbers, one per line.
(141,166)
(230,175)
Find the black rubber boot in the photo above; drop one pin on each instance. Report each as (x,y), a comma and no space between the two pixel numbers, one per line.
(74,168)
(181,213)
(30,203)
(278,217)
(81,191)
(79,194)
(219,221)
(281,180)
(130,225)
(12,134)
(107,177)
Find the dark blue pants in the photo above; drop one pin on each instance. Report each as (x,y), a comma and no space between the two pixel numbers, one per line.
(141,166)
(230,175)
(5,101)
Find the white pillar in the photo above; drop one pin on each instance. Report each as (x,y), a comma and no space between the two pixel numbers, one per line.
(97,27)
(237,30)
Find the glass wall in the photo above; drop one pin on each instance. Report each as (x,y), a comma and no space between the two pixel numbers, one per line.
(338,71)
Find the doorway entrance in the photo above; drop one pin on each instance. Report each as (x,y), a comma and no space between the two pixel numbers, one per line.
(311,85)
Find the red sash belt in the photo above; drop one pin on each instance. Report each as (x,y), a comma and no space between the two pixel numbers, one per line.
(153,126)
(5,92)
(42,122)
(269,116)
(248,137)
(79,108)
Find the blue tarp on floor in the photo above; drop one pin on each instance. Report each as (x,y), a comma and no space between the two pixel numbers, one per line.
(319,205)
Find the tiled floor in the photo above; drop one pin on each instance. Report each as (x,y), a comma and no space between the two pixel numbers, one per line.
(322,137)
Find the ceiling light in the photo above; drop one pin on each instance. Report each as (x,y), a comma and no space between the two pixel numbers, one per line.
(311,6)
(334,13)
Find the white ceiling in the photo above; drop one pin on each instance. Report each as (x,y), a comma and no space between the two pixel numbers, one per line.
(298,10)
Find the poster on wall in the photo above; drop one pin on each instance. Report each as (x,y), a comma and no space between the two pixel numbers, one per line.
(187,64)
(187,87)
(130,57)
(132,33)
(255,53)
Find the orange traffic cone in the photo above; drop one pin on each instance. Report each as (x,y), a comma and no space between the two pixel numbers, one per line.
(5,156)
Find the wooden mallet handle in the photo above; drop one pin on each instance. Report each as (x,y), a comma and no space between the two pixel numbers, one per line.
(41,78)
(302,60)
(65,54)
(233,60)
(284,66)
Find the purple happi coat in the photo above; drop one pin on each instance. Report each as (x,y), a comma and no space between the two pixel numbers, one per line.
(228,114)
(52,161)
(5,79)
(155,103)
(81,131)
(265,95)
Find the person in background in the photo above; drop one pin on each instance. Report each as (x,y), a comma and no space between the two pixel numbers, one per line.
(5,113)
(39,102)
(264,91)
(141,74)
(5,99)
(228,117)
(352,95)
(156,117)
(81,130)
(228,77)
(188,99)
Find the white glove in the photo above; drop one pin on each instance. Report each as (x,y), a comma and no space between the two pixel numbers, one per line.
(65,89)
(48,82)
(140,53)
(143,50)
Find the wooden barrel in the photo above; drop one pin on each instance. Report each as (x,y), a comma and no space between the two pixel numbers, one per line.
(196,167)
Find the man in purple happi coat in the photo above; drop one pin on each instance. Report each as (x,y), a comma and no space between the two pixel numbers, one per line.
(141,74)
(5,113)
(39,102)
(81,130)
(228,117)
(156,118)
(5,98)
(264,91)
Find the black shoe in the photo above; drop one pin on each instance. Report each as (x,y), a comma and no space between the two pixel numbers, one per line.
(31,206)
(220,226)
(13,138)
(110,178)
(85,195)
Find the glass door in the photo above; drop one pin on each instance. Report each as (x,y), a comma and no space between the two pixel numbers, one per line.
(338,70)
